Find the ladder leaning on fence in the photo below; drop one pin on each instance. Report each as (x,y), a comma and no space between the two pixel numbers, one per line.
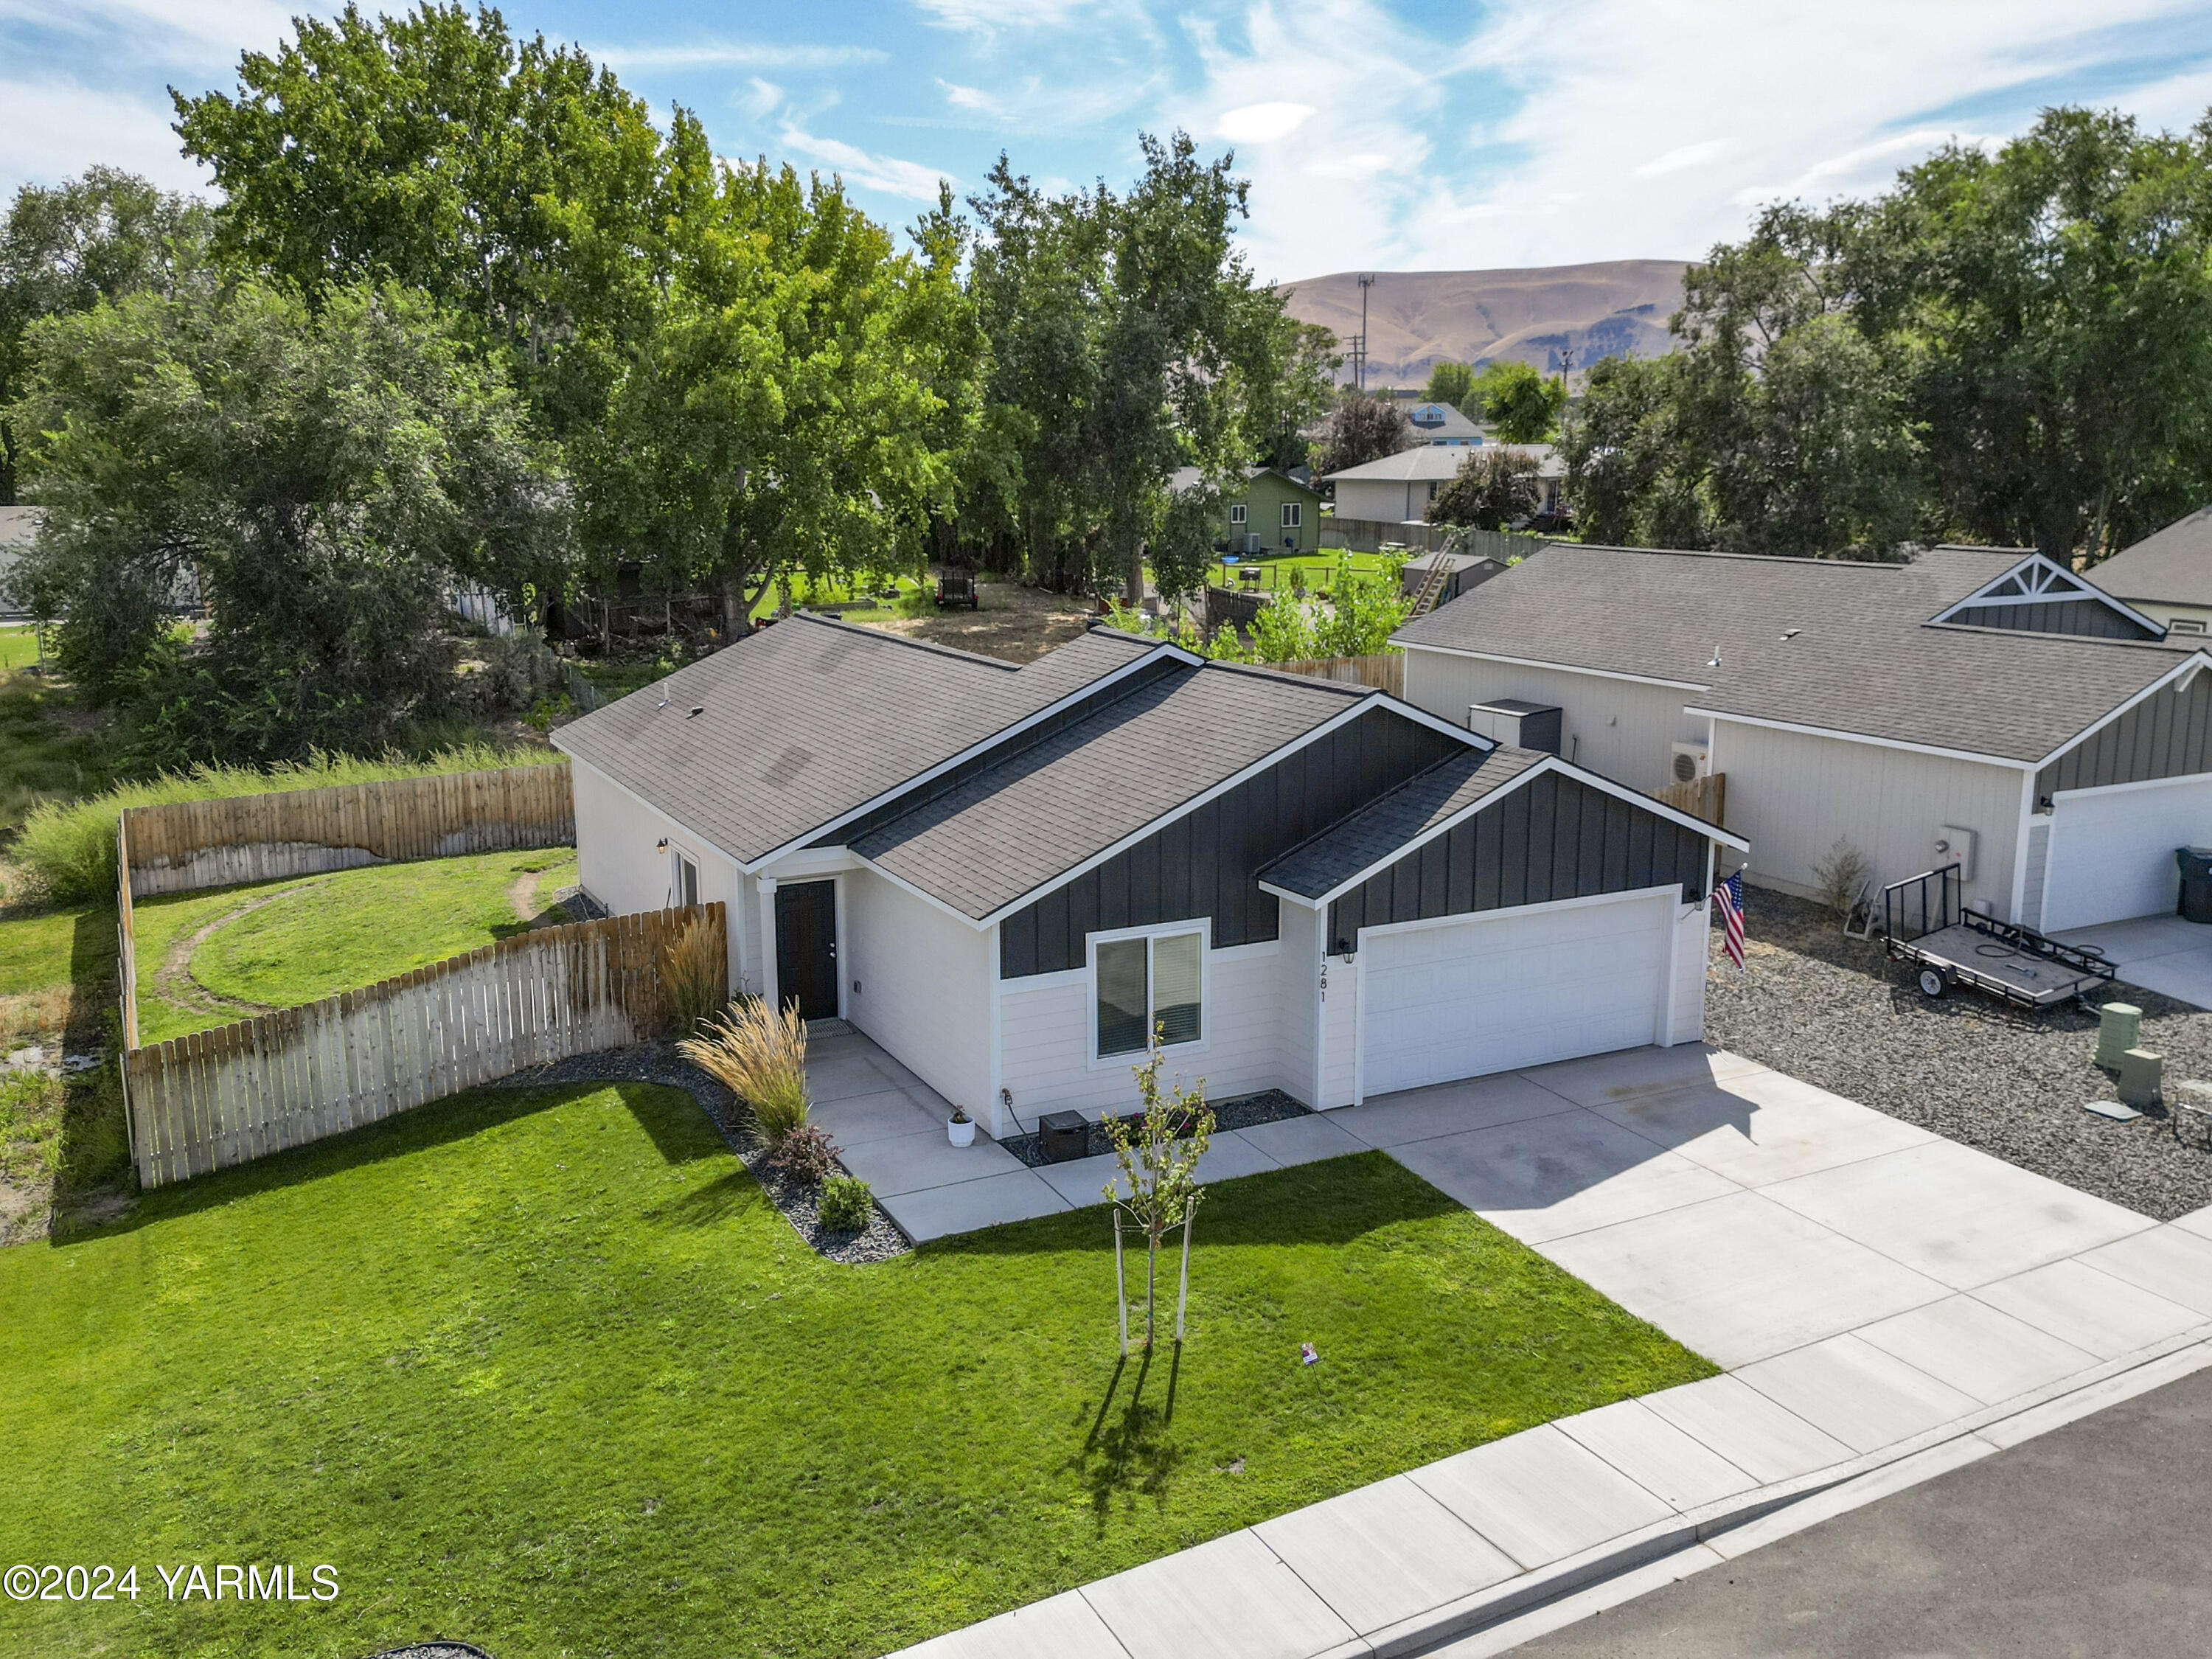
(1426,600)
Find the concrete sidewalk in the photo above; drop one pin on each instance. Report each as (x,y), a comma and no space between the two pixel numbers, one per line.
(1878,1295)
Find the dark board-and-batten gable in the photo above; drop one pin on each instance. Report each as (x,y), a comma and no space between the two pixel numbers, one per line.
(1553,837)
(2168,734)
(1205,862)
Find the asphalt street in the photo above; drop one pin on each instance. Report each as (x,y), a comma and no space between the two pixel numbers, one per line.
(2094,1540)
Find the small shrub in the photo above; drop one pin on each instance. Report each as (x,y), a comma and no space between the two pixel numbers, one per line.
(1841,875)
(846,1206)
(807,1154)
(691,969)
(760,1057)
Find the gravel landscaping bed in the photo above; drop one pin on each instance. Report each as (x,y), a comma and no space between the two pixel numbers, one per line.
(658,1062)
(1244,1112)
(1834,1011)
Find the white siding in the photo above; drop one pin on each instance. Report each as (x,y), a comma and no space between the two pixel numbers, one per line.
(621,863)
(925,994)
(1339,1033)
(1792,795)
(2111,850)
(1044,1034)
(1693,941)
(1622,728)
(1298,990)
(1390,500)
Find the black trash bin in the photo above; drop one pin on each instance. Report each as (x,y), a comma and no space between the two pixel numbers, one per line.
(2195,864)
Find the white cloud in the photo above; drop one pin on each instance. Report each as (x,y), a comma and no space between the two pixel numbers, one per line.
(987,16)
(1867,167)
(887,174)
(970,98)
(1261,123)
(200,31)
(753,54)
(57,129)
(759,99)
(1688,156)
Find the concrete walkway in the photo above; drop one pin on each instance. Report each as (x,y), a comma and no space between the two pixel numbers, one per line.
(1875,1293)
(2163,954)
(890,1127)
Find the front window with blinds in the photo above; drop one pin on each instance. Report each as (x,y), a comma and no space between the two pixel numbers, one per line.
(1146,982)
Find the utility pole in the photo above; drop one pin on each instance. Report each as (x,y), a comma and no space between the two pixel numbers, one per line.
(1360,351)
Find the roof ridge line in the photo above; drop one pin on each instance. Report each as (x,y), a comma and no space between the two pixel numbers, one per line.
(1807,559)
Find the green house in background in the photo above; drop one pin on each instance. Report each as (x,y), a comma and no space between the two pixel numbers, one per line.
(1273,513)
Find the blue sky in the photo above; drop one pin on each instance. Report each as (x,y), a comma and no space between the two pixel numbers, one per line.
(1406,136)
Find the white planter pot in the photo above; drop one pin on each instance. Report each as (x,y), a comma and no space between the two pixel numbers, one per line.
(961,1134)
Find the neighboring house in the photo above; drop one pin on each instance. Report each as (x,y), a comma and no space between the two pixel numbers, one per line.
(1388,500)
(1441,425)
(1007,876)
(1463,573)
(1977,704)
(2166,576)
(19,528)
(1273,513)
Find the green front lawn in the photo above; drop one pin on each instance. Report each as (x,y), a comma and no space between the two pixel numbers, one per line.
(546,1372)
(206,959)
(1319,570)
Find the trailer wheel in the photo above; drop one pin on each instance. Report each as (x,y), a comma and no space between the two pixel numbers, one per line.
(1934,981)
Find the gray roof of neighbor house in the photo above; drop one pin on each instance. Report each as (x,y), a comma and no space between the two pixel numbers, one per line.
(1188,478)
(1426,463)
(1831,644)
(1042,812)
(1435,422)
(1380,830)
(2174,566)
(802,722)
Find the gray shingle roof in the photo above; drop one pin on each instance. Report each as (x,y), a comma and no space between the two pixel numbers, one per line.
(1378,830)
(806,721)
(1430,462)
(1827,643)
(2174,566)
(1017,825)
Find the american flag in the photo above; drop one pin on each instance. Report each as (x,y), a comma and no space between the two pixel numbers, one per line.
(1729,894)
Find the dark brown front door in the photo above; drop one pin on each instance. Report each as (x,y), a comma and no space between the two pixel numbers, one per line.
(806,947)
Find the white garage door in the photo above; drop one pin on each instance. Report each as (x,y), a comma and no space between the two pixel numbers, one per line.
(2111,851)
(1515,988)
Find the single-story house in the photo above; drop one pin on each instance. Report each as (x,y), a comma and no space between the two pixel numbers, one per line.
(1394,492)
(1441,425)
(1007,877)
(1975,704)
(1273,513)
(2166,576)
(1463,572)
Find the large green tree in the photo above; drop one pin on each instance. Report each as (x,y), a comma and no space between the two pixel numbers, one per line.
(1520,406)
(320,477)
(517,182)
(1128,337)
(804,397)
(1361,428)
(66,247)
(1451,383)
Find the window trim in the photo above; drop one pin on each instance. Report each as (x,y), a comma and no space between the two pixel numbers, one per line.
(1237,512)
(1201,926)
(1294,515)
(678,858)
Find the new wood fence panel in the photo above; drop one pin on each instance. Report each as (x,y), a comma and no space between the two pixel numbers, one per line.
(1385,671)
(185,845)
(224,1097)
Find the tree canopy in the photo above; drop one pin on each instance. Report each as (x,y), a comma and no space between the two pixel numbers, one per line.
(1493,487)
(1360,429)
(1451,383)
(1519,405)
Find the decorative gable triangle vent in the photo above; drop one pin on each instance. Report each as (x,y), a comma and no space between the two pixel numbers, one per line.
(2039,596)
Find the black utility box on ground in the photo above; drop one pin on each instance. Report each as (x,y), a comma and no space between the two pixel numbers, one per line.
(1062,1136)
(2195,864)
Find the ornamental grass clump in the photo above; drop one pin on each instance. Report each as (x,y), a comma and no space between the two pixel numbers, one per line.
(691,969)
(760,1055)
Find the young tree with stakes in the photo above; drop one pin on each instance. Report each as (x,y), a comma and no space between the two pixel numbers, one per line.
(1156,1184)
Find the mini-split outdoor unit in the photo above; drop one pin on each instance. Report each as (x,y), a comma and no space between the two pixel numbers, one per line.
(1692,760)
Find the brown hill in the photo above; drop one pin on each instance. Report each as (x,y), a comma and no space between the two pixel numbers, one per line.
(1415,317)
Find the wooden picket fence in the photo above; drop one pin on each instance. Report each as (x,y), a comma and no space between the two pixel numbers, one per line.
(239,1093)
(1385,670)
(1703,797)
(181,846)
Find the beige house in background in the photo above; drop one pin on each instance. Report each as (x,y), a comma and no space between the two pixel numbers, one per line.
(2166,576)
(1388,500)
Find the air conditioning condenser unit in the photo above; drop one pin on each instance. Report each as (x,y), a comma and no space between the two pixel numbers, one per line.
(1693,761)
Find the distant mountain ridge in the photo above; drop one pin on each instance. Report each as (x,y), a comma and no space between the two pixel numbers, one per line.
(1618,307)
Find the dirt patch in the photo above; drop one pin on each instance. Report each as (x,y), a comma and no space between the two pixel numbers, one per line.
(522,897)
(175,981)
(1012,623)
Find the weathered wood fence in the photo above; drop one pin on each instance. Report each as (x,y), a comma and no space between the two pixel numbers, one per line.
(1385,670)
(239,1093)
(181,846)
(1703,797)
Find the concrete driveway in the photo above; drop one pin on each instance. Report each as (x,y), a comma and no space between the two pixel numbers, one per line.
(2163,954)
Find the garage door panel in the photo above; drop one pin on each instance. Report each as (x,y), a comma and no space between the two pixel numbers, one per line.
(2111,852)
(1494,993)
